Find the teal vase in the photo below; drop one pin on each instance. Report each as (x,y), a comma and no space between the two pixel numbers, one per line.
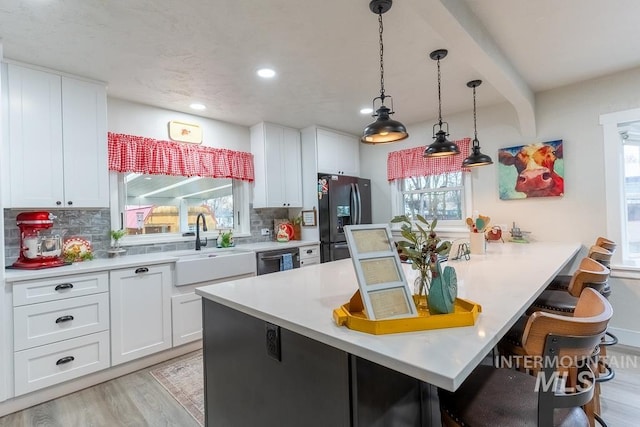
(443,290)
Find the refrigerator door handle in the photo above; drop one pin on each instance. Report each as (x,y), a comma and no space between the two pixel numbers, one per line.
(353,213)
(359,199)
(340,245)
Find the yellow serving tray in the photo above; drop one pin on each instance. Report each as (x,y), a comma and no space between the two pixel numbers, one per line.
(353,317)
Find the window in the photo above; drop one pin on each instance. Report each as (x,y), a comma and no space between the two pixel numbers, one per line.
(164,186)
(164,207)
(436,188)
(622,173)
(445,197)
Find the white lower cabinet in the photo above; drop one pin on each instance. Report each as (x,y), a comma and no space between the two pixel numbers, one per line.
(51,364)
(140,311)
(309,255)
(186,310)
(60,329)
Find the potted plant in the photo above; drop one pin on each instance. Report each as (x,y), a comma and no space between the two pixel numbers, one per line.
(421,248)
(115,248)
(296,223)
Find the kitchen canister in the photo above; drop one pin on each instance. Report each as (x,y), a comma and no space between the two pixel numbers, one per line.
(477,244)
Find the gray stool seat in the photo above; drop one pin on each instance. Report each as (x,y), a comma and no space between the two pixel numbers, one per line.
(495,397)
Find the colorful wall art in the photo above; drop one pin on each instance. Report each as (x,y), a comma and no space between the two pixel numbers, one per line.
(533,170)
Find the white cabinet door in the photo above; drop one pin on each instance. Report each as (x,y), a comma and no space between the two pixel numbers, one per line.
(186,312)
(84,126)
(35,138)
(276,150)
(291,167)
(140,311)
(57,140)
(338,153)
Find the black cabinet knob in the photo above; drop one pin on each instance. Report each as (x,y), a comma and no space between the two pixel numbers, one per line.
(69,202)
(58,203)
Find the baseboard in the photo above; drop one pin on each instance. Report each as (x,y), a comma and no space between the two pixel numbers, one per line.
(626,336)
(26,401)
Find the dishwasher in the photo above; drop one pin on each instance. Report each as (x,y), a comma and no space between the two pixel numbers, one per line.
(270,261)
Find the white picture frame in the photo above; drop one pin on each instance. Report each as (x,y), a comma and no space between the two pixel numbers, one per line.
(383,285)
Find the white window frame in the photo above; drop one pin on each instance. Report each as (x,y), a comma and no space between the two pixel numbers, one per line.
(614,184)
(241,197)
(449,228)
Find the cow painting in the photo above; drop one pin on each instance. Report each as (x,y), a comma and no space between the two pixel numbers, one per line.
(534,170)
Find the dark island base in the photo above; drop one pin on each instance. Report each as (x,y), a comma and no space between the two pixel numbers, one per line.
(258,374)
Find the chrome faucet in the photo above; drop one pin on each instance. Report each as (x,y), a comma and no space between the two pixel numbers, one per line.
(199,243)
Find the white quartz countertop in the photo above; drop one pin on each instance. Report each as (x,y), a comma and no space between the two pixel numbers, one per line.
(127,261)
(504,282)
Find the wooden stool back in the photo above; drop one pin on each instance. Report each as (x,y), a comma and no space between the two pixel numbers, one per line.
(590,273)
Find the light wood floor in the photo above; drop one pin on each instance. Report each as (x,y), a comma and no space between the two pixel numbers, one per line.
(139,400)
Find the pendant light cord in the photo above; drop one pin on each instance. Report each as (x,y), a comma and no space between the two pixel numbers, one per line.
(475,128)
(381,55)
(439,98)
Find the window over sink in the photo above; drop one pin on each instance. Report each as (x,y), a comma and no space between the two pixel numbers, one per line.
(164,207)
(159,188)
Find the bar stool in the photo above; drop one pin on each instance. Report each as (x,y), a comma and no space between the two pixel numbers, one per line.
(512,350)
(598,253)
(590,273)
(608,244)
(494,397)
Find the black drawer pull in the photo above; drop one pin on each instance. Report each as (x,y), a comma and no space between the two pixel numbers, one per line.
(62,286)
(64,360)
(142,270)
(309,251)
(64,318)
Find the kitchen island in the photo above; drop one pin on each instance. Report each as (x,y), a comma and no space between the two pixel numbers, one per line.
(274,356)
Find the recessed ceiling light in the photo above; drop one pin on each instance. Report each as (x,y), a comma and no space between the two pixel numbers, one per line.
(366,111)
(266,73)
(196,106)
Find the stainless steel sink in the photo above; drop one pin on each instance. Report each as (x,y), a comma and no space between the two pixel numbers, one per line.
(212,264)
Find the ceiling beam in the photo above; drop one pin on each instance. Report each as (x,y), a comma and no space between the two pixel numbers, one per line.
(464,33)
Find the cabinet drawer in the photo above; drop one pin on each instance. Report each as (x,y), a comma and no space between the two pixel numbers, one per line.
(309,252)
(34,291)
(51,364)
(309,261)
(48,322)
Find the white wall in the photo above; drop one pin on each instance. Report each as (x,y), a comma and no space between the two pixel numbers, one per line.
(570,113)
(151,122)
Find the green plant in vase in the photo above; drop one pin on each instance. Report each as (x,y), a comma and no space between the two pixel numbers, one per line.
(116,235)
(422,247)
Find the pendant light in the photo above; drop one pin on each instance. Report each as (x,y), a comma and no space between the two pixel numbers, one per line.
(384,129)
(441,146)
(476,158)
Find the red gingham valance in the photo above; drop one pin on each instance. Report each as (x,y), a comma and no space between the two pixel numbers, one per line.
(128,153)
(410,162)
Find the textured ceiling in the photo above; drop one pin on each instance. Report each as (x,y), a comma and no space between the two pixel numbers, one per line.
(173,52)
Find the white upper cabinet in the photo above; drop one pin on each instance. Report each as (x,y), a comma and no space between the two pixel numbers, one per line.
(277,163)
(338,153)
(57,140)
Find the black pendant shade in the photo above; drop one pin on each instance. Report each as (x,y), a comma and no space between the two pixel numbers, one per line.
(441,146)
(476,158)
(384,129)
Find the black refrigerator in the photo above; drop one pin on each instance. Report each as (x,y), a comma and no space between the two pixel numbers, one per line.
(343,200)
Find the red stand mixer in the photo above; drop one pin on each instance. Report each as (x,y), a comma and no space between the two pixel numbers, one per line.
(36,249)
